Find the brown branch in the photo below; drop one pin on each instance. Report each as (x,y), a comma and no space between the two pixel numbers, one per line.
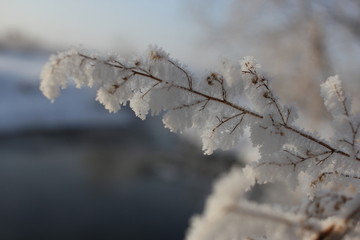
(190,105)
(316,207)
(188,77)
(220,79)
(354,129)
(323,175)
(301,159)
(339,230)
(141,72)
(268,93)
(342,99)
(205,104)
(225,102)
(288,115)
(223,121)
(152,87)
(305,135)
(260,213)
(241,119)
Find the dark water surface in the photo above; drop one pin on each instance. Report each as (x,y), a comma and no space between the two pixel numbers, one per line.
(101,184)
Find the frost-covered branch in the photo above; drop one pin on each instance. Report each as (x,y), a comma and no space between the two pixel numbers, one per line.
(326,170)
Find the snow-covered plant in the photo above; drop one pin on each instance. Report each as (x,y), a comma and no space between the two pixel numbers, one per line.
(323,173)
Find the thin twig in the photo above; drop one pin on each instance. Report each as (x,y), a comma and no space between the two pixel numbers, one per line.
(243,110)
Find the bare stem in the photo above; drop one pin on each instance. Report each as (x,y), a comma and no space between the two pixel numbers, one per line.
(141,72)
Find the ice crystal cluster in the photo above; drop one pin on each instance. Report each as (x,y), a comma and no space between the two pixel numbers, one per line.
(323,173)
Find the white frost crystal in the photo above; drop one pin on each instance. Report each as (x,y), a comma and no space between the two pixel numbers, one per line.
(323,172)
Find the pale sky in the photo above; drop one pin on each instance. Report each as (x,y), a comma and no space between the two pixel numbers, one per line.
(196,32)
(108,24)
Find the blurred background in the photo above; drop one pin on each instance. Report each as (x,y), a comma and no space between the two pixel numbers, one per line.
(71,170)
